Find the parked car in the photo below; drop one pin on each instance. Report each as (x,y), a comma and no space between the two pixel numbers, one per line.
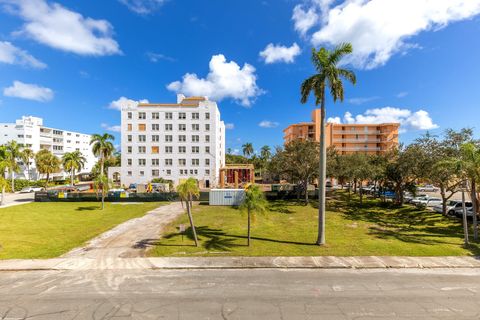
(430,202)
(428,188)
(453,206)
(416,200)
(459,211)
(408,197)
(31,189)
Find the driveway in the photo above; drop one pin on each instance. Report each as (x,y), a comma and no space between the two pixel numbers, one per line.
(13,199)
(131,238)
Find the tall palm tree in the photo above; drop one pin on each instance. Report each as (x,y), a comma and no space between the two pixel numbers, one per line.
(72,161)
(26,155)
(247,149)
(3,168)
(254,202)
(187,190)
(328,76)
(102,147)
(265,152)
(13,154)
(47,163)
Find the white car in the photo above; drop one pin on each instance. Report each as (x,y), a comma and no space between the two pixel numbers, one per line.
(31,189)
(416,200)
(428,188)
(453,207)
(430,202)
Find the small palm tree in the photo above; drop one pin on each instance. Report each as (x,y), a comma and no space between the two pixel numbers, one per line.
(47,163)
(247,149)
(328,76)
(26,155)
(187,190)
(13,154)
(265,153)
(254,202)
(102,185)
(3,168)
(72,161)
(102,147)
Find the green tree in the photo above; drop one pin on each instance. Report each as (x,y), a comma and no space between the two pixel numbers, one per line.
(329,76)
(26,155)
(247,149)
(3,168)
(187,190)
(265,153)
(103,148)
(72,161)
(254,202)
(47,163)
(102,185)
(13,154)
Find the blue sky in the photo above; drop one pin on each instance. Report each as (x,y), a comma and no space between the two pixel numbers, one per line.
(67,61)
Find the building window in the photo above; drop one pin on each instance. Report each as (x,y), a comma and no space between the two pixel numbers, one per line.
(142,162)
(155,173)
(195,162)
(155,149)
(195,138)
(142,173)
(155,127)
(183,172)
(182,138)
(155,162)
(129,149)
(155,115)
(168,138)
(142,149)
(155,138)
(182,116)
(142,127)
(142,115)
(207,171)
(129,115)
(168,116)
(193,171)
(195,116)
(129,173)
(129,162)
(195,149)
(168,127)
(182,149)
(129,138)
(207,116)
(168,149)
(207,149)
(182,127)
(207,127)
(182,162)
(129,127)
(207,138)
(142,138)
(168,162)
(207,162)
(195,127)
(169,172)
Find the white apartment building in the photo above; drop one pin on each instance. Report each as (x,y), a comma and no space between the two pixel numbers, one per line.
(30,132)
(173,141)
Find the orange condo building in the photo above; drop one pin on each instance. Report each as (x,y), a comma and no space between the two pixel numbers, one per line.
(347,138)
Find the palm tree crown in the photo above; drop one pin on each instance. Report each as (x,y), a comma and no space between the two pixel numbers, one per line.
(102,147)
(73,161)
(247,149)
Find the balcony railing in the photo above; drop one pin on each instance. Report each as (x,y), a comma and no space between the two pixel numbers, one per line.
(358,140)
(359,149)
(357,132)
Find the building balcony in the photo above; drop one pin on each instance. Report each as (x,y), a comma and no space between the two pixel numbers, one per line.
(357,132)
(359,149)
(358,140)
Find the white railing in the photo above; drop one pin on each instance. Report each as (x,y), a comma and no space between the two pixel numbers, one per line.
(358,140)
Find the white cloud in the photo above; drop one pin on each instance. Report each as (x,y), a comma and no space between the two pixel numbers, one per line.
(143,6)
(28,91)
(229,126)
(125,102)
(418,120)
(377,29)
(268,124)
(58,27)
(225,80)
(362,100)
(402,94)
(156,57)
(107,127)
(10,54)
(278,53)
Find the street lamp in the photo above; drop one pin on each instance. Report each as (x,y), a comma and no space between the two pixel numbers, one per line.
(464,187)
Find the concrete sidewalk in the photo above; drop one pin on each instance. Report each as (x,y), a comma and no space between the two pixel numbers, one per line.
(327,262)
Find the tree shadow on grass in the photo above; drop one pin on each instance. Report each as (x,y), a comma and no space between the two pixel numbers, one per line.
(89,208)
(281,207)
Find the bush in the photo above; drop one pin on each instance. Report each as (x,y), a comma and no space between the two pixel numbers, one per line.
(22,183)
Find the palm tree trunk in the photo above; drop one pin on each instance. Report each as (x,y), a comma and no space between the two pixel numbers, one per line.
(72,175)
(322,176)
(473,195)
(28,169)
(46,182)
(248,232)
(189,212)
(3,195)
(13,181)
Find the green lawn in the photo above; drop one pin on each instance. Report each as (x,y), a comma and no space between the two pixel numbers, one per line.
(289,229)
(46,230)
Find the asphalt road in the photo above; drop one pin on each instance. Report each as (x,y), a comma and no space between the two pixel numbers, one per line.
(13,199)
(241,294)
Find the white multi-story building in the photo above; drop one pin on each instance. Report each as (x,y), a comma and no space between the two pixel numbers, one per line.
(173,141)
(31,133)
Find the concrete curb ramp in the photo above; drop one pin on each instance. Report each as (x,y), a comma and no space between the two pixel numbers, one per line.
(321,262)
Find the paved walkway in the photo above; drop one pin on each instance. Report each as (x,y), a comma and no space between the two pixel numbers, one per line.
(129,239)
(15,199)
(109,262)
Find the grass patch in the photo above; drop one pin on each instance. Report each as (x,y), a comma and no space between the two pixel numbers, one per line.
(290,229)
(47,230)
